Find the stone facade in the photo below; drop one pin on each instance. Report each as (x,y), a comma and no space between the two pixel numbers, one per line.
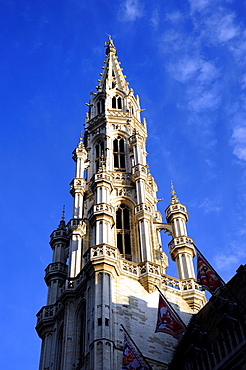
(108,259)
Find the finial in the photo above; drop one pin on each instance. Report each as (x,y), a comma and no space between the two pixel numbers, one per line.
(63,212)
(62,224)
(109,38)
(174,198)
(173,192)
(102,160)
(81,136)
(110,45)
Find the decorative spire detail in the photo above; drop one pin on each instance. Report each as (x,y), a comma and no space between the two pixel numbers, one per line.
(80,143)
(62,223)
(63,212)
(110,45)
(174,198)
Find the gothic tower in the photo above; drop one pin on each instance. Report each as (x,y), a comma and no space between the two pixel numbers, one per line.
(108,259)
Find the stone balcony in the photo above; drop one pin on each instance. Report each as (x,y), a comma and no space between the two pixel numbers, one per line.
(46,317)
(100,208)
(56,270)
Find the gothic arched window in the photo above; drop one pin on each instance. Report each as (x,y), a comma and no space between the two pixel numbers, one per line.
(117,102)
(123,231)
(119,105)
(99,153)
(119,153)
(114,102)
(98,107)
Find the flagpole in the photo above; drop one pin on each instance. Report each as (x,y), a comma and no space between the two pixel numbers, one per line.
(150,368)
(172,309)
(225,285)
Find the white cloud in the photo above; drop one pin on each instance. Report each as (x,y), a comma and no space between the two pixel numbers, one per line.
(131,10)
(155,19)
(203,98)
(243,82)
(233,256)
(199,5)
(185,69)
(209,205)
(220,26)
(174,17)
(207,54)
(239,142)
(208,72)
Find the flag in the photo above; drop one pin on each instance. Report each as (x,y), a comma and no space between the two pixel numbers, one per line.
(167,319)
(207,277)
(132,360)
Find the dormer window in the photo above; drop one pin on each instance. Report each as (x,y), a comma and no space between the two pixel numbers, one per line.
(119,153)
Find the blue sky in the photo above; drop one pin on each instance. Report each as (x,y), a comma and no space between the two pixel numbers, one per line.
(186,60)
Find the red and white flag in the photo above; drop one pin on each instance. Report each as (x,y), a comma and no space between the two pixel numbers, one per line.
(168,320)
(132,360)
(207,277)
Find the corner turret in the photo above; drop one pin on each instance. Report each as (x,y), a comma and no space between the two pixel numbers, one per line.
(56,272)
(181,246)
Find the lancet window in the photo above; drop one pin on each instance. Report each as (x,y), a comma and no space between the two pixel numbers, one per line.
(119,153)
(100,106)
(123,231)
(117,102)
(99,155)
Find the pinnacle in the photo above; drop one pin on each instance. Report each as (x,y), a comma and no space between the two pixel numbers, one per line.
(62,223)
(174,198)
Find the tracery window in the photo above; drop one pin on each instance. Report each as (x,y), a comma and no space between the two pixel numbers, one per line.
(99,154)
(119,153)
(123,230)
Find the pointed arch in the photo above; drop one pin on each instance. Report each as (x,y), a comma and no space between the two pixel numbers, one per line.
(123,230)
(80,333)
(99,153)
(119,153)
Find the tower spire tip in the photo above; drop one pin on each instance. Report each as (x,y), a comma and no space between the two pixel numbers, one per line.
(174,198)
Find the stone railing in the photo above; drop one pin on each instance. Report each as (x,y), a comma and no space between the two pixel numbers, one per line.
(101,250)
(99,176)
(118,113)
(143,207)
(179,241)
(48,312)
(139,168)
(121,176)
(138,270)
(56,266)
(101,208)
(77,224)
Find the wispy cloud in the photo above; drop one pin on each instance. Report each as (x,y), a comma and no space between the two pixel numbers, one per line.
(206,53)
(231,258)
(198,5)
(174,17)
(239,141)
(209,205)
(155,19)
(131,10)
